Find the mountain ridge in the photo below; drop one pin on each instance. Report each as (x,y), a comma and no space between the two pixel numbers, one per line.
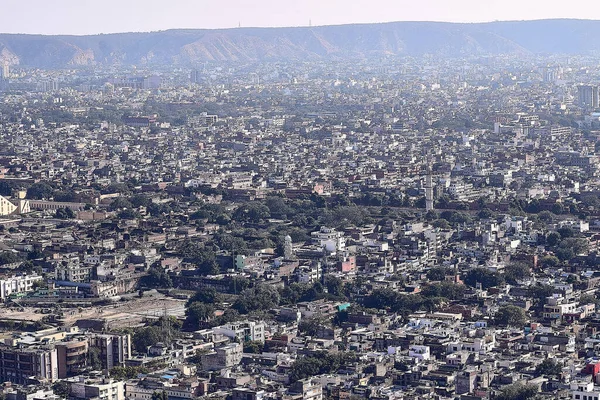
(336,42)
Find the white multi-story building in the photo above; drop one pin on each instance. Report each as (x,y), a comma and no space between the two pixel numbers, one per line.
(481,345)
(330,239)
(243,331)
(584,390)
(17,284)
(557,307)
(419,352)
(105,389)
(72,270)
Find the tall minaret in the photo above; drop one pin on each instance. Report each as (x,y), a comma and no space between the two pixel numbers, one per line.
(288,249)
(428,188)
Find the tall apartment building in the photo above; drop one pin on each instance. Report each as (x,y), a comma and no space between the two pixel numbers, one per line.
(28,365)
(114,348)
(5,71)
(72,357)
(588,96)
(195,76)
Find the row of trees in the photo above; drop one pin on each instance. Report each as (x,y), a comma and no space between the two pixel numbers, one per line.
(431,298)
(321,363)
(202,307)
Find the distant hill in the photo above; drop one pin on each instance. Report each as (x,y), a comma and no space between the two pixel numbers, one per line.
(561,36)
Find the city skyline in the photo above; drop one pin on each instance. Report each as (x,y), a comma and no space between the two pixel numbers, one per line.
(71,17)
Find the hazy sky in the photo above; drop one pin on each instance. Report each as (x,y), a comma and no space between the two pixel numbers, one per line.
(107,16)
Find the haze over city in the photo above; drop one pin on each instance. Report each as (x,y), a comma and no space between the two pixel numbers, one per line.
(327,200)
(113,16)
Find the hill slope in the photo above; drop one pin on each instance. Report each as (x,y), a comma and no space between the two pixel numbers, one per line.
(304,43)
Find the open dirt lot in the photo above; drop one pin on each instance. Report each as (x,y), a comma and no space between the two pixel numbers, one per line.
(120,314)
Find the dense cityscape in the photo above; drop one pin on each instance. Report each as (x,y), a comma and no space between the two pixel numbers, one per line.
(387,228)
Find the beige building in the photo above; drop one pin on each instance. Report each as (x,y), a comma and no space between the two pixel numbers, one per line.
(101,389)
(223,357)
(72,357)
(114,348)
(6,207)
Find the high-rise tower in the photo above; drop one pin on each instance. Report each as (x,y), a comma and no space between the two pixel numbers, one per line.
(5,70)
(588,96)
(429,187)
(428,193)
(288,249)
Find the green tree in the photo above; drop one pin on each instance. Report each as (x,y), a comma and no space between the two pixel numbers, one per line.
(277,206)
(546,216)
(140,200)
(548,367)
(518,391)
(334,285)
(146,337)
(549,261)
(120,203)
(431,215)
(93,359)
(510,315)
(6,189)
(128,214)
(259,298)
(539,293)
(441,223)
(198,313)
(157,278)
(381,299)
(552,239)
(448,290)
(437,273)
(64,213)
(252,212)
(565,232)
(8,257)
(310,326)
(578,245)
(65,196)
(206,295)
(254,347)
(61,389)
(564,253)
(162,395)
(483,276)
(40,191)
(516,271)
(238,284)
(321,363)
(589,299)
